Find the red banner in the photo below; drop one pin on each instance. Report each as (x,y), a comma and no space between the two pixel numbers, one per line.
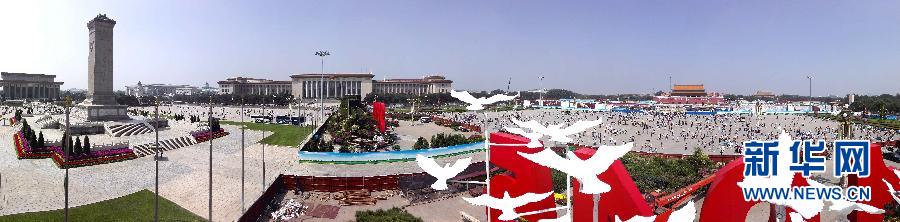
(378,114)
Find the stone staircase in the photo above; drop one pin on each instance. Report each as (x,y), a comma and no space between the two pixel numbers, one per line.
(129,129)
(165,145)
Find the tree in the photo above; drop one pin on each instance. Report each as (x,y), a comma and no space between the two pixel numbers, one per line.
(70,144)
(40,142)
(214,124)
(77,148)
(64,143)
(87,145)
(421,143)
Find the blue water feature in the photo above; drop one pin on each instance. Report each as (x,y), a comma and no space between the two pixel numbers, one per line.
(387,155)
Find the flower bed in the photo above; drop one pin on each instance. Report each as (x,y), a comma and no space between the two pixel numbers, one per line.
(92,158)
(205,135)
(455,125)
(25,151)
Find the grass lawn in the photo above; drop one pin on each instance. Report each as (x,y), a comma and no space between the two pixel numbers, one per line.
(133,207)
(283,135)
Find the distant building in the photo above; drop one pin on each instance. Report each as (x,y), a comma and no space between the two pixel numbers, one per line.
(688,90)
(428,84)
(337,85)
(764,94)
(251,86)
(208,89)
(689,94)
(187,90)
(160,90)
(29,86)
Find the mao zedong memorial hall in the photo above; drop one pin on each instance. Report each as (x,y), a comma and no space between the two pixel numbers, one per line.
(29,86)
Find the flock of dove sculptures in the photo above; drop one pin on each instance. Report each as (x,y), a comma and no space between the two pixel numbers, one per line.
(585,171)
(478,103)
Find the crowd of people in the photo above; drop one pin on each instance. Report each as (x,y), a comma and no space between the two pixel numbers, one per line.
(678,133)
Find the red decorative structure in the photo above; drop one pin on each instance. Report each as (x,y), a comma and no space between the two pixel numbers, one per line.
(880,194)
(624,199)
(526,176)
(378,114)
(724,199)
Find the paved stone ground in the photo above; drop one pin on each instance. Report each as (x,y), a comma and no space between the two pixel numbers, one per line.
(409,131)
(233,113)
(36,185)
(676,133)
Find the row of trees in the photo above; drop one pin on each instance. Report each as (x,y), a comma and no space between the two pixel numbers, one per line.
(76,147)
(34,140)
(204,98)
(883,105)
(439,99)
(445,140)
(37,141)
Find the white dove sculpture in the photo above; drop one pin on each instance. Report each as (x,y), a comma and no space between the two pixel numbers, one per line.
(534,138)
(585,171)
(507,205)
(891,191)
(556,132)
(442,173)
(478,103)
(844,208)
(686,213)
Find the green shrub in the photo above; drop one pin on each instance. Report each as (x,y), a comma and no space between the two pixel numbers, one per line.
(391,215)
(421,143)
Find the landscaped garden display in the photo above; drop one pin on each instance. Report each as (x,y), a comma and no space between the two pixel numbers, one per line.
(29,146)
(351,129)
(206,135)
(215,131)
(455,125)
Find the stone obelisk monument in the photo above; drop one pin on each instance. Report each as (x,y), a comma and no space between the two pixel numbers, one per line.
(101,104)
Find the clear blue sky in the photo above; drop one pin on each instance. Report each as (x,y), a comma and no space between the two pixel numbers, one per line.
(599,47)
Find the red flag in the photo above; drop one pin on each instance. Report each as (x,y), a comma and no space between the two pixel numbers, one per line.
(378,114)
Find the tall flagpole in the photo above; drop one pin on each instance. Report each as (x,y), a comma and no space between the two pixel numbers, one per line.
(156,156)
(487,159)
(66,139)
(243,206)
(264,152)
(210,155)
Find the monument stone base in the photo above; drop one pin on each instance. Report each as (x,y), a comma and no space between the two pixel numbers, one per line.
(106,112)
